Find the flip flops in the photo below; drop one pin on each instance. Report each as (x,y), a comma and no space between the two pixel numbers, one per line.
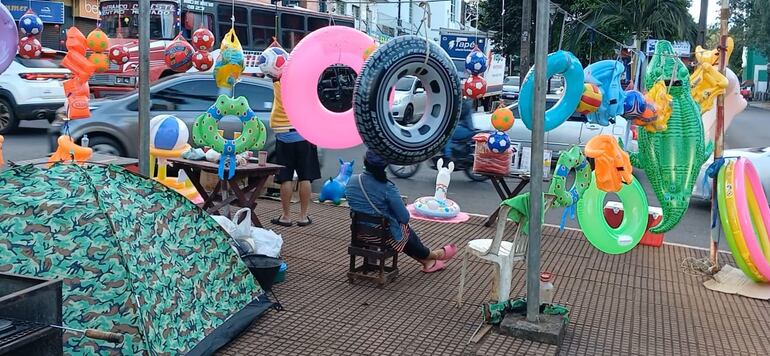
(305,223)
(449,252)
(437,266)
(277,221)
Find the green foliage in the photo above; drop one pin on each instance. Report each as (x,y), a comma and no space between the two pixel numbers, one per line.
(757,24)
(507,39)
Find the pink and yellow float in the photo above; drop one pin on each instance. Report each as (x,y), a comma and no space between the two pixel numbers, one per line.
(168,139)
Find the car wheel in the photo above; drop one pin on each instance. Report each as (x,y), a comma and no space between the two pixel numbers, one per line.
(404,172)
(408,115)
(402,56)
(8,120)
(106,145)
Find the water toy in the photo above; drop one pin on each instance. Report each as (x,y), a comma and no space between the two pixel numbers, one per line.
(475,87)
(9,37)
(591,99)
(560,62)
(438,206)
(68,151)
(97,41)
(735,103)
(706,81)
(76,88)
(633,105)
(101,61)
(572,159)
(606,75)
(178,54)
(334,189)
(661,100)
(476,62)
(168,139)
(612,164)
(753,213)
(230,62)
(272,61)
(502,119)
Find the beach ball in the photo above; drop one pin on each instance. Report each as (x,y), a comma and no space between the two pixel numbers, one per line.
(119,54)
(272,60)
(475,87)
(98,41)
(30,24)
(633,105)
(168,132)
(476,62)
(202,60)
(648,116)
(498,142)
(100,60)
(178,55)
(30,47)
(369,50)
(502,119)
(591,99)
(203,39)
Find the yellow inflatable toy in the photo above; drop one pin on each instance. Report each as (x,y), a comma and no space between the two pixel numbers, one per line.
(168,139)
(658,94)
(706,82)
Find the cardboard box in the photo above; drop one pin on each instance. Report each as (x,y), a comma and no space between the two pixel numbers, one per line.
(613,213)
(526,160)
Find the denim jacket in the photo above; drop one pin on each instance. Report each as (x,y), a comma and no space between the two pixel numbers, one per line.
(385,196)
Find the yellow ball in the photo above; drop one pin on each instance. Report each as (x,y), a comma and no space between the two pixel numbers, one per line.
(502,119)
(101,61)
(591,99)
(98,41)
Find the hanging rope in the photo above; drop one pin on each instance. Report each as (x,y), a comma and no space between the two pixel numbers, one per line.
(426,19)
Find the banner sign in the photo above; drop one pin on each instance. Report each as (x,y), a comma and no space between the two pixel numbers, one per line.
(458,47)
(680,48)
(48,11)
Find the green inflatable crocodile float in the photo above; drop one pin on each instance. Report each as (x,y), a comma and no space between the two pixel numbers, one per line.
(672,158)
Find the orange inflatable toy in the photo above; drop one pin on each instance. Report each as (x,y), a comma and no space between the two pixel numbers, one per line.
(76,89)
(68,151)
(612,164)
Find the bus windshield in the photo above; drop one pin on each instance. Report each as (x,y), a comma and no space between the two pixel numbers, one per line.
(123,18)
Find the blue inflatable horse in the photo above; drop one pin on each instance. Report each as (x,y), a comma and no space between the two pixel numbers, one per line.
(334,189)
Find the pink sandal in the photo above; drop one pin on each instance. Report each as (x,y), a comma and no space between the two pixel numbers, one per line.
(438,265)
(449,252)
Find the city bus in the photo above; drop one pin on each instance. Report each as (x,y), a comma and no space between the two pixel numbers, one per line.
(255,24)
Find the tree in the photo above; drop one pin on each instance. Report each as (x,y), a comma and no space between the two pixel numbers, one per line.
(507,39)
(757,25)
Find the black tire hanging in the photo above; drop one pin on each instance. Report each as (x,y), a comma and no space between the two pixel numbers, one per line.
(402,56)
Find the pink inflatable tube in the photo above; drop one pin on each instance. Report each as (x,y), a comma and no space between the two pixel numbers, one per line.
(317,51)
(9,38)
(746,174)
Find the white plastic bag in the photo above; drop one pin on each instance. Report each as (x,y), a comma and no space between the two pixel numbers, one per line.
(252,240)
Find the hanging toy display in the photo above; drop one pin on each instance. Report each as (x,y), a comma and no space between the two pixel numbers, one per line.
(661,100)
(76,89)
(476,62)
(502,118)
(633,105)
(475,87)
(606,75)
(9,36)
(98,43)
(203,60)
(272,60)
(591,99)
(706,81)
(118,54)
(30,47)
(178,55)
(438,206)
(648,116)
(229,64)
(203,40)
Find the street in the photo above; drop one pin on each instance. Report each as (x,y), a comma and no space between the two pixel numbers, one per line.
(749,129)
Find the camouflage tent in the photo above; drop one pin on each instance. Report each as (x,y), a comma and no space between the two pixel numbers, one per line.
(136,258)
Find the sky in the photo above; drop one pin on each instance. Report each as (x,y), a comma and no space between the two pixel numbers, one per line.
(713,15)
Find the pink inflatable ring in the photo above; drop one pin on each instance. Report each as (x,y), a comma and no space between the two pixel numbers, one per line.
(321,49)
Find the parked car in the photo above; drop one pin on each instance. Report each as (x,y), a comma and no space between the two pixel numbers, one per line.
(760,157)
(31,89)
(408,100)
(575,131)
(113,126)
(511,88)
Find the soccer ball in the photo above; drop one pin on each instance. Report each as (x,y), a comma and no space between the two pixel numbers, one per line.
(30,47)
(498,142)
(476,63)
(202,60)
(634,105)
(272,60)
(203,39)
(97,41)
(31,24)
(591,99)
(475,87)
(178,55)
(502,119)
(100,60)
(118,54)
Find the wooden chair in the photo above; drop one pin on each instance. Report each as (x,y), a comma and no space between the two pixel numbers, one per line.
(370,243)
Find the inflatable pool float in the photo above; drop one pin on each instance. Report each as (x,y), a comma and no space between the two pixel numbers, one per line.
(438,206)
(753,214)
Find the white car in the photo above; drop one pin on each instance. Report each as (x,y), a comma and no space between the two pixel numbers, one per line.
(31,89)
(760,157)
(408,100)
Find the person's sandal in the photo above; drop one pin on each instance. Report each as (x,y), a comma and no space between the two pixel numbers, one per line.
(449,252)
(438,265)
(277,221)
(305,223)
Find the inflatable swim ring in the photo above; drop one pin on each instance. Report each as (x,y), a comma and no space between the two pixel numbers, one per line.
(730,224)
(572,159)
(299,91)
(205,131)
(631,229)
(560,62)
(752,203)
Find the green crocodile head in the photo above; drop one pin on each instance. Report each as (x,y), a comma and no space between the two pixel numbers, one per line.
(662,66)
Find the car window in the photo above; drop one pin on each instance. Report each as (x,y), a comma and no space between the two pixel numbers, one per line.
(417,85)
(47,60)
(404,84)
(260,98)
(192,95)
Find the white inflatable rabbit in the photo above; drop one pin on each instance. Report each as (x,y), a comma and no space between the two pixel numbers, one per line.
(438,206)
(443,178)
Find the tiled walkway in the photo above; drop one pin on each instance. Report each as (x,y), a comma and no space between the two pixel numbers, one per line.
(639,303)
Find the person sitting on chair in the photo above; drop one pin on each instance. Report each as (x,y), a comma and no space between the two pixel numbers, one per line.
(372,193)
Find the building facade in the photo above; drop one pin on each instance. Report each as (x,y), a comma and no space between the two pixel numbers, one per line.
(755,70)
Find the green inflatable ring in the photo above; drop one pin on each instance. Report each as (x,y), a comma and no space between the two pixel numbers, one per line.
(622,239)
(569,160)
(206,133)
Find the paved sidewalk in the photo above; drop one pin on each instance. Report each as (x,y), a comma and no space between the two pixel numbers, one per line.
(760,104)
(639,303)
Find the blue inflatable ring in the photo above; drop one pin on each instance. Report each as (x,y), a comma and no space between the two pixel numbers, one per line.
(560,62)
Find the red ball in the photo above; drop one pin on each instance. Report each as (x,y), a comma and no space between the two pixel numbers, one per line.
(203,39)
(203,61)
(119,54)
(30,47)
(475,87)
(178,55)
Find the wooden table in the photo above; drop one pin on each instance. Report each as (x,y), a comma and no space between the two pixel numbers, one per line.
(98,158)
(505,192)
(246,197)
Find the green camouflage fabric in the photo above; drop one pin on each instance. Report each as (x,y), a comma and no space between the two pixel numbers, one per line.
(136,257)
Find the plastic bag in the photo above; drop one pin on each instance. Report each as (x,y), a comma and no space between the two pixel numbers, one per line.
(229,64)
(486,161)
(250,239)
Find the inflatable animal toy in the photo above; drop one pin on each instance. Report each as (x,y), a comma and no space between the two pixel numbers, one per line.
(334,189)
(606,75)
(706,81)
(438,206)
(612,164)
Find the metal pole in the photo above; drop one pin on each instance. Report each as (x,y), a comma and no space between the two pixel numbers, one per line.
(144,88)
(536,174)
(526,26)
(704,8)
(720,132)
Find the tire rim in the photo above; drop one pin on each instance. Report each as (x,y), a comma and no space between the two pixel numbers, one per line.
(104,148)
(432,120)
(5,116)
